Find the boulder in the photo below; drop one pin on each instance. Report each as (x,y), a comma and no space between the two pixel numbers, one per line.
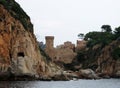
(88,74)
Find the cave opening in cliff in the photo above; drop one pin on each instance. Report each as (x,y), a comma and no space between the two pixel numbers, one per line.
(20,54)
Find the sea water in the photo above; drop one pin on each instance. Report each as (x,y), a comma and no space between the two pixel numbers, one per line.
(101,83)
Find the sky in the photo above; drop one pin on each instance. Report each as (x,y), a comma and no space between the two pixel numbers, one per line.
(65,19)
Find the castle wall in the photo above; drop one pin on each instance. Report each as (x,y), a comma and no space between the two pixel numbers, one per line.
(63,53)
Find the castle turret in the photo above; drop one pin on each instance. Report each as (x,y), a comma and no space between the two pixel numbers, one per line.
(49,42)
(49,49)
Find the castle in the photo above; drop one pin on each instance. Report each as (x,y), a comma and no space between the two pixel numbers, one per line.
(64,53)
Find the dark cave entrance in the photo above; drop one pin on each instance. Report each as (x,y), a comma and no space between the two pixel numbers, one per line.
(20,54)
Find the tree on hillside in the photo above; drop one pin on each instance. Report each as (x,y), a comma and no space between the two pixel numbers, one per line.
(92,35)
(106,28)
(117,32)
(103,37)
(93,38)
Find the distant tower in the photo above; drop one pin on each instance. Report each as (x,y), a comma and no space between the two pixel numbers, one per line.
(49,42)
(49,49)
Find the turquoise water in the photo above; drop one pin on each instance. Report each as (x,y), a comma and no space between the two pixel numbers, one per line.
(102,83)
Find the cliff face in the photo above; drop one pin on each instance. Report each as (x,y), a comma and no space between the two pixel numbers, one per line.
(19,53)
(104,60)
(17,46)
(109,59)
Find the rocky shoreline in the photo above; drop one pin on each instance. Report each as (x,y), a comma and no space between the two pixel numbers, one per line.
(65,76)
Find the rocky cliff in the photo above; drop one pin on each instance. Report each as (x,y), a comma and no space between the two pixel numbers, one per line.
(18,47)
(109,60)
(19,52)
(103,60)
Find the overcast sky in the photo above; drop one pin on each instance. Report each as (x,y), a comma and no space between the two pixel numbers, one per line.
(65,19)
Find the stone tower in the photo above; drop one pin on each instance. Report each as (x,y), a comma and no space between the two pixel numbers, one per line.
(49,49)
(49,42)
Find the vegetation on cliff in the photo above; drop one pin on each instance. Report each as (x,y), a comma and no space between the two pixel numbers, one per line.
(104,37)
(17,12)
(97,42)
